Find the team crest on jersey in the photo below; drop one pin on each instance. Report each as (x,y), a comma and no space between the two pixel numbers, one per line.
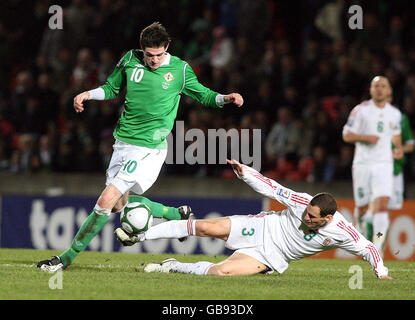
(168,77)
(326,242)
(284,193)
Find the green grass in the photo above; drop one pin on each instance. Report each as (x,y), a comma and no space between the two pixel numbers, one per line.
(113,276)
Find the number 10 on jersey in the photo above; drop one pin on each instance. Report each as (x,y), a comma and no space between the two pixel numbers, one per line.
(137,74)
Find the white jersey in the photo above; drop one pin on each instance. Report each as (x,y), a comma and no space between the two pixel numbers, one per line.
(366,118)
(287,234)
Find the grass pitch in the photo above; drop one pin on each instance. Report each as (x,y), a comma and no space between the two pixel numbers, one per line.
(116,276)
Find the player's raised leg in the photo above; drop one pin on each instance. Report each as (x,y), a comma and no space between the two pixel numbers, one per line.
(175,229)
(159,210)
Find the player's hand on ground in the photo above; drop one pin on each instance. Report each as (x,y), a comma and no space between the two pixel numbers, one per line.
(78,101)
(236,166)
(235,98)
(397,153)
(385,278)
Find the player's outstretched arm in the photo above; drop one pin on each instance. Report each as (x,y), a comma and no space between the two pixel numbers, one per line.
(355,243)
(78,101)
(234,98)
(236,166)
(268,187)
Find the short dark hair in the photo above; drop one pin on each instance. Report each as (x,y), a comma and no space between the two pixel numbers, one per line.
(326,202)
(154,36)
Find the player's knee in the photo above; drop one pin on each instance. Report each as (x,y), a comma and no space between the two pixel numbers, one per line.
(104,201)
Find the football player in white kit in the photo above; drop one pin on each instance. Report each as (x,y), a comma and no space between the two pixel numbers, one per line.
(373,126)
(268,241)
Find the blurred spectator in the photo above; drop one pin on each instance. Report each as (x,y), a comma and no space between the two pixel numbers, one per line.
(46,154)
(24,158)
(77,17)
(63,69)
(372,35)
(48,101)
(65,159)
(328,19)
(222,49)
(4,159)
(284,138)
(85,70)
(23,92)
(322,166)
(106,65)
(343,169)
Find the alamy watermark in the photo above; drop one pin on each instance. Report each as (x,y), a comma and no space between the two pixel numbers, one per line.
(356,20)
(56,281)
(194,146)
(356,280)
(56,20)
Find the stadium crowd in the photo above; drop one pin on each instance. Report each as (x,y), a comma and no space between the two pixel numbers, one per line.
(298,65)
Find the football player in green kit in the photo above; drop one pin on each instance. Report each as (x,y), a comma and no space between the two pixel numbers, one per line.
(154,81)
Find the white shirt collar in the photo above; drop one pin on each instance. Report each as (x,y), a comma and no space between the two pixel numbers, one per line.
(166,60)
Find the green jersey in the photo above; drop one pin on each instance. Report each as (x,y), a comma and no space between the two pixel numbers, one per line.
(152,97)
(407,137)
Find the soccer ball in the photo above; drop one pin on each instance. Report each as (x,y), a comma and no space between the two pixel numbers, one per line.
(136,219)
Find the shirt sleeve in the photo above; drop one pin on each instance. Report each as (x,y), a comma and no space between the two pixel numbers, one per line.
(354,123)
(116,81)
(194,89)
(355,243)
(272,189)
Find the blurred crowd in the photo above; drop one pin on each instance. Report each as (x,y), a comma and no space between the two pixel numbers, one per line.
(298,65)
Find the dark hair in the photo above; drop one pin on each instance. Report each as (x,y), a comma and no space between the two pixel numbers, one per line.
(154,36)
(326,202)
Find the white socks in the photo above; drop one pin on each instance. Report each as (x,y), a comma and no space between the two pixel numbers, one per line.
(173,229)
(198,268)
(380,228)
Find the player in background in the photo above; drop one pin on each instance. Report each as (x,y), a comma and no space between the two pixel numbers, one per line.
(268,241)
(397,197)
(373,126)
(154,81)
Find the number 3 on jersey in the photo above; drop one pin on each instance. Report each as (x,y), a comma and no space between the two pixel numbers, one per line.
(137,75)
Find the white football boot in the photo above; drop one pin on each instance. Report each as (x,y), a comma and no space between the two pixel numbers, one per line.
(164,267)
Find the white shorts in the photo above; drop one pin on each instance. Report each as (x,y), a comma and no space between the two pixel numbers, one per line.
(247,236)
(396,200)
(371,182)
(134,168)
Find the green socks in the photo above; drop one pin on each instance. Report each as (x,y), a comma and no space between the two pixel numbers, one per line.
(99,217)
(89,229)
(157,209)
